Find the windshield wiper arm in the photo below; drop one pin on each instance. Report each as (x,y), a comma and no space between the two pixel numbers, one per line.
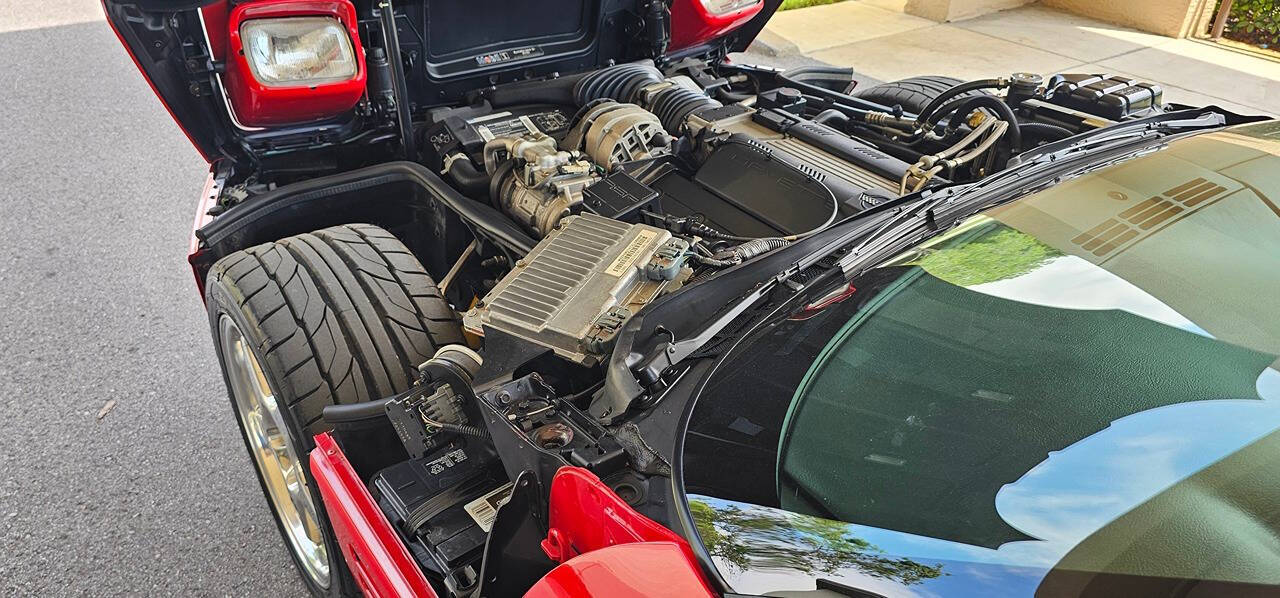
(671,352)
(893,230)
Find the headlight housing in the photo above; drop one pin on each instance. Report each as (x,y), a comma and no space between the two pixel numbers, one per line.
(293,61)
(724,7)
(696,21)
(297,51)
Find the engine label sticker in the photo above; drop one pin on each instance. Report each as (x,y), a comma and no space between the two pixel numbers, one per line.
(484,510)
(631,253)
(508,55)
(449,459)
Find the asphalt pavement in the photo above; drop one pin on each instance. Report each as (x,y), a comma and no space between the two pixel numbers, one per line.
(121,469)
(97,192)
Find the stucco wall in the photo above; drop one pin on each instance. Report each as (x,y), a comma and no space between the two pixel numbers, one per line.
(1174,18)
(955,10)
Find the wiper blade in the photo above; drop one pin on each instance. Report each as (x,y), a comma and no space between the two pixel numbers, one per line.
(1126,133)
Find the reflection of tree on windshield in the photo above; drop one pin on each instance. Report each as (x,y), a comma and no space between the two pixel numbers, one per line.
(773,539)
(997,253)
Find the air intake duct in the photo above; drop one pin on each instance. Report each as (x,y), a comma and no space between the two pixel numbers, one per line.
(675,103)
(621,82)
(635,83)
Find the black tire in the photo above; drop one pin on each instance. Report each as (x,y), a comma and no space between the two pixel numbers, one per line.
(335,316)
(915,93)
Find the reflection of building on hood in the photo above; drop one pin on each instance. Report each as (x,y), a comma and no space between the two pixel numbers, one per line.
(960,393)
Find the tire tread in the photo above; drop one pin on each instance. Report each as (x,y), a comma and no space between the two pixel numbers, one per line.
(344,315)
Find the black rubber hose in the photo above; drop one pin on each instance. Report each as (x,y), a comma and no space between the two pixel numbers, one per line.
(547,91)
(1002,110)
(942,112)
(674,104)
(354,412)
(1044,132)
(463,172)
(955,91)
(833,118)
(732,97)
(619,82)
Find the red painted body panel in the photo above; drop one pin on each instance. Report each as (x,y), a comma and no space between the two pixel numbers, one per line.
(378,560)
(208,197)
(638,570)
(609,549)
(693,24)
(215,26)
(159,96)
(585,515)
(256,104)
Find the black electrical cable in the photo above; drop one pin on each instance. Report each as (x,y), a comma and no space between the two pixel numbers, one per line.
(456,428)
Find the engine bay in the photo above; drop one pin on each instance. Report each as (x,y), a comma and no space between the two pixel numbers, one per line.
(647,183)
(554,208)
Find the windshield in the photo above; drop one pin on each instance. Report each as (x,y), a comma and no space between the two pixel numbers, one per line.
(1074,394)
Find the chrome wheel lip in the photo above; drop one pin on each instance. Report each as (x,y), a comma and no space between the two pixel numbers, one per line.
(271,446)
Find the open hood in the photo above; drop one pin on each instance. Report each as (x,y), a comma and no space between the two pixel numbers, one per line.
(449,52)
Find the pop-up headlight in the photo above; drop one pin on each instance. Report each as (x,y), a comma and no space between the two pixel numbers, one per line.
(293,61)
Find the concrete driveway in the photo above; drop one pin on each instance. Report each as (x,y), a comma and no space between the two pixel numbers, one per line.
(875,37)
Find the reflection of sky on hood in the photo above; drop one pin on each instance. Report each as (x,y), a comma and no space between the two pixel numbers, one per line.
(1065,498)
(1078,490)
(1069,282)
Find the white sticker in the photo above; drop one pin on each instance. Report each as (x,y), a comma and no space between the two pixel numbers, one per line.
(484,510)
(449,459)
(630,253)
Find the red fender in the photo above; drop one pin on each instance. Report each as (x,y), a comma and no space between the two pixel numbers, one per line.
(608,549)
(378,560)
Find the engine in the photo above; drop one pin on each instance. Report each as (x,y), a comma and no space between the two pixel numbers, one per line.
(644,182)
